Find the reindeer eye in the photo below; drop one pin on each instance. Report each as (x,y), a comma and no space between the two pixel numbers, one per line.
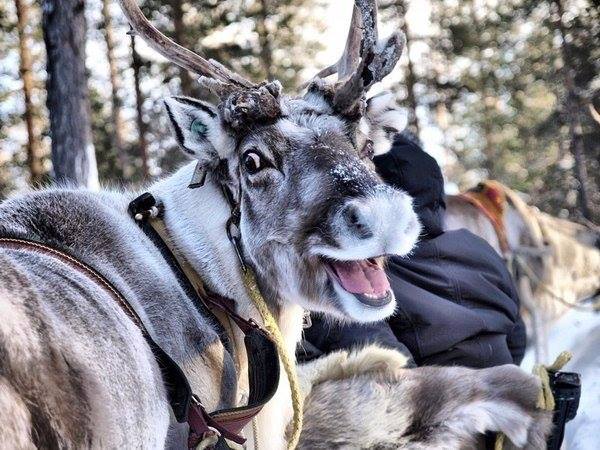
(253,162)
(367,151)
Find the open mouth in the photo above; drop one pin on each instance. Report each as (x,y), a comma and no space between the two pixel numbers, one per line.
(365,279)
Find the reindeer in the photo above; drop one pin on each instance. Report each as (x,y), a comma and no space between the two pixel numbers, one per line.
(555,262)
(315,224)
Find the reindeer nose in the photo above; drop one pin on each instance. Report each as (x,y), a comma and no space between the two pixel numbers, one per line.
(357,221)
(381,223)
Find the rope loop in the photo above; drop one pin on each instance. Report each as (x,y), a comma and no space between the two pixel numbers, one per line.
(289,366)
(545,398)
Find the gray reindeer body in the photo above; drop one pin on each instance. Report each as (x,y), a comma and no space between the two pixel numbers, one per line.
(67,346)
(315,222)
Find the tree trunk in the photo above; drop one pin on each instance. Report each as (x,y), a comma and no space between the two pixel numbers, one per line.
(573,108)
(264,39)
(187,84)
(34,150)
(73,154)
(118,136)
(139,101)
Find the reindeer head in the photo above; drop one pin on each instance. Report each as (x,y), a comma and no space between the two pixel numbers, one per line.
(316,220)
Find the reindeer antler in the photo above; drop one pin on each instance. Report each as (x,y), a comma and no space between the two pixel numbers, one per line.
(175,52)
(242,102)
(365,61)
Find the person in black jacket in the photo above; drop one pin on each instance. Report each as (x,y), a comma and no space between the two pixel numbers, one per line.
(457,304)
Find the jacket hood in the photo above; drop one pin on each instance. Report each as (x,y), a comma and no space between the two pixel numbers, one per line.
(406,166)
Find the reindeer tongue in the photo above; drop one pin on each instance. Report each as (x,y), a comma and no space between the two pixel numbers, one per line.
(361,277)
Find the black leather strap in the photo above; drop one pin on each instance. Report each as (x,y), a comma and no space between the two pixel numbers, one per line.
(263,359)
(141,205)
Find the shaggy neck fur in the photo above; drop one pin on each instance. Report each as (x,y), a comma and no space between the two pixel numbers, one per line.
(195,220)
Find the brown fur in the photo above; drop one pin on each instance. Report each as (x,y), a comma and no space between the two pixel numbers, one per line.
(368,399)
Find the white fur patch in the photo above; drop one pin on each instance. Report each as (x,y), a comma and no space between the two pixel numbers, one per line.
(369,360)
(380,103)
(390,217)
(15,418)
(386,119)
(395,228)
(486,415)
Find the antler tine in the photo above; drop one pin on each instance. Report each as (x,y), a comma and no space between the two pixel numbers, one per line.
(362,33)
(365,60)
(375,64)
(176,53)
(351,55)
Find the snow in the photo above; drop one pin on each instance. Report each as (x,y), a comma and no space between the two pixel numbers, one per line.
(579,332)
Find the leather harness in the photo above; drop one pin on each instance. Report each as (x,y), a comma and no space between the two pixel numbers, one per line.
(492,208)
(263,362)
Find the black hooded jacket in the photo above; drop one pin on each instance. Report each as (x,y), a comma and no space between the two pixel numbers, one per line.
(457,304)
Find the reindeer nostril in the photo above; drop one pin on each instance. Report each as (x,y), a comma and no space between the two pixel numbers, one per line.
(412,224)
(356,222)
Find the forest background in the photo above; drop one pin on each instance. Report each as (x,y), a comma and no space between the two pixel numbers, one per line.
(508,90)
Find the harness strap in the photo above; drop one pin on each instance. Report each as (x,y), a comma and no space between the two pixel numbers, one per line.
(262,355)
(263,367)
(270,324)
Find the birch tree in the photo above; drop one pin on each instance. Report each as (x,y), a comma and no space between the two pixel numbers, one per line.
(136,65)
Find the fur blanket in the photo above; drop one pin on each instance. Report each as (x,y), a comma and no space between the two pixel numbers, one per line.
(376,402)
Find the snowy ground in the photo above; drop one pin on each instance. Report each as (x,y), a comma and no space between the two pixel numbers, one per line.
(579,332)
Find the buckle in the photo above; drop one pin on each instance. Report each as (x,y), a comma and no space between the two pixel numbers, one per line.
(306,320)
(210,437)
(143,207)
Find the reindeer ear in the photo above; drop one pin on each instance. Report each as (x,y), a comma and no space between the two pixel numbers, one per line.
(385,119)
(198,129)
